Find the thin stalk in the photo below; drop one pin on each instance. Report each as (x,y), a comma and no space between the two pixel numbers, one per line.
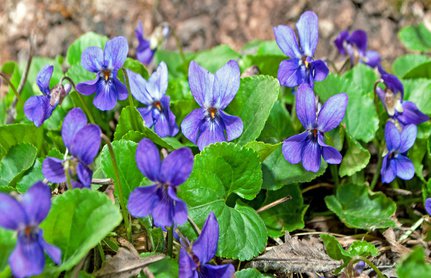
(87,111)
(101,252)
(9,83)
(119,188)
(170,241)
(412,229)
(275,203)
(369,263)
(130,97)
(327,185)
(379,165)
(179,46)
(334,173)
(194,226)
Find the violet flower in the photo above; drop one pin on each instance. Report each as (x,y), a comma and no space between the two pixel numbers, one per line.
(152,93)
(355,45)
(105,63)
(193,261)
(24,216)
(213,92)
(310,145)
(82,141)
(40,108)
(396,163)
(160,199)
(301,67)
(148,47)
(428,205)
(405,112)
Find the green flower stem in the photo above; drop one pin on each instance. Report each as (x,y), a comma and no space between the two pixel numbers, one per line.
(130,97)
(170,241)
(194,226)
(87,111)
(101,252)
(379,165)
(369,263)
(119,188)
(334,173)
(14,90)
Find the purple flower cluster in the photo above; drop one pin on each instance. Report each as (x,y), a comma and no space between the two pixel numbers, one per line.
(82,140)
(24,216)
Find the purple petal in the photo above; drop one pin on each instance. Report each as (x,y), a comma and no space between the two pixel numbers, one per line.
(163,210)
(233,125)
(187,267)
(12,214)
(144,53)
(115,53)
(53,170)
(306,106)
(43,78)
(73,122)
(28,258)
(120,88)
(147,115)
(218,271)
(53,251)
(360,40)
(292,147)
(388,171)
(159,79)
(86,143)
(330,154)
(148,159)
(205,247)
(393,83)
(201,84)
(211,132)
(138,88)
(411,114)
(332,112)
(139,30)
(192,123)
(180,208)
(320,70)
(84,174)
(92,59)
(405,168)
(226,84)
(372,58)
(162,127)
(428,205)
(286,40)
(308,31)
(289,73)
(176,167)
(37,109)
(37,202)
(381,95)
(311,156)
(339,41)
(392,137)
(88,87)
(408,137)
(165,124)
(142,200)
(106,95)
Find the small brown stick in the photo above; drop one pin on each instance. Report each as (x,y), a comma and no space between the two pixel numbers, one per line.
(275,203)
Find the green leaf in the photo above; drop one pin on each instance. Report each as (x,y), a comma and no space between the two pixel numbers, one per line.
(18,159)
(75,50)
(262,149)
(355,159)
(77,222)
(34,175)
(288,216)
(165,268)
(125,153)
(414,265)
(362,248)
(278,171)
(415,37)
(223,172)
(253,103)
(216,57)
(7,244)
(278,126)
(421,71)
(403,64)
(136,66)
(267,64)
(418,91)
(131,119)
(357,207)
(174,61)
(334,248)
(249,273)
(14,134)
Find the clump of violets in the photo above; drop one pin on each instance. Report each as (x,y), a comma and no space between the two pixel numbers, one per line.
(355,45)
(405,112)
(24,216)
(148,47)
(309,145)
(106,64)
(39,108)
(152,93)
(301,67)
(193,261)
(82,141)
(213,92)
(160,200)
(395,162)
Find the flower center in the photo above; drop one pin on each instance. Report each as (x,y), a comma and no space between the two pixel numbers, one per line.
(304,61)
(106,74)
(157,105)
(212,112)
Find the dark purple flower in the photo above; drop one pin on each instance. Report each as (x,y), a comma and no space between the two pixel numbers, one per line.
(148,47)
(405,112)
(82,140)
(301,67)
(428,205)
(39,108)
(105,63)
(396,163)
(213,92)
(355,45)
(194,259)
(310,145)
(160,199)
(24,216)
(157,114)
